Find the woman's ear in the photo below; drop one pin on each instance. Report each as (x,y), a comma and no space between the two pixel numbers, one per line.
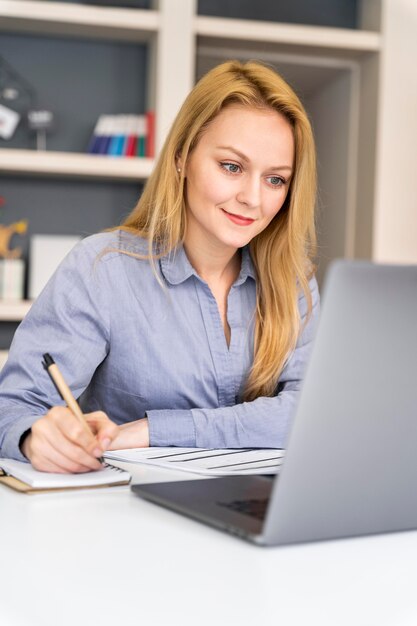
(179,165)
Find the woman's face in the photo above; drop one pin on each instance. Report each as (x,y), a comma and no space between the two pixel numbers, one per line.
(237,177)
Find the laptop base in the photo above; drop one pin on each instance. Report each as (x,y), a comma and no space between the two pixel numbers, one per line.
(218,502)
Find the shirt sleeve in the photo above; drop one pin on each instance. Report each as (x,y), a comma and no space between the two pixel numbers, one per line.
(263,423)
(70,321)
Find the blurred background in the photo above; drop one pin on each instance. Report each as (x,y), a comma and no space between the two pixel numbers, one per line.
(88,91)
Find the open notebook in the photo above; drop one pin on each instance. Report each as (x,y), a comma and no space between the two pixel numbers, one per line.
(22,477)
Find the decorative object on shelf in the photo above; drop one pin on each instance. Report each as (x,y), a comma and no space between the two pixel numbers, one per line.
(12,267)
(41,122)
(124,135)
(18,101)
(6,233)
(9,120)
(45,254)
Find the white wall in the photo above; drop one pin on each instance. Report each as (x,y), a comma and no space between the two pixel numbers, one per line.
(395,226)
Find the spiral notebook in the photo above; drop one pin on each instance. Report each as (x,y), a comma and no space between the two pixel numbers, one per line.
(22,477)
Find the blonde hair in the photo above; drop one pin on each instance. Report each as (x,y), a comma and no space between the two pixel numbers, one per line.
(281,253)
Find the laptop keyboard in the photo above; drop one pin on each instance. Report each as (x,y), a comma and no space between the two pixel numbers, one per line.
(253,508)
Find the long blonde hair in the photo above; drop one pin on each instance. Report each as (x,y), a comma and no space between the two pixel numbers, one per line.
(281,253)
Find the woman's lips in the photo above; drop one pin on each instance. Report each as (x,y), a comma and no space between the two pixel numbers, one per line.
(238,219)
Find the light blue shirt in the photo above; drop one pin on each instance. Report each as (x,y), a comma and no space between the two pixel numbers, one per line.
(127,346)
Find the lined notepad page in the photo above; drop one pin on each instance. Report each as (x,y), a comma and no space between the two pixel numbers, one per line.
(210,462)
(45,480)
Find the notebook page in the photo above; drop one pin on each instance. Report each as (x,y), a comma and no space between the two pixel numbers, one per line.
(210,462)
(46,480)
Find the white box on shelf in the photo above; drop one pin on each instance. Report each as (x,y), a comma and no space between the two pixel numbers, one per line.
(3,357)
(12,279)
(46,253)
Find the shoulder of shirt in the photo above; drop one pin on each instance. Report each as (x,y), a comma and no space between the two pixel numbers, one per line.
(107,245)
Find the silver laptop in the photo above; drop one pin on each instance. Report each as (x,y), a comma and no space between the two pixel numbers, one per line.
(351,462)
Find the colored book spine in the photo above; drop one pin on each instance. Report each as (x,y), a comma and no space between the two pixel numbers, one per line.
(117,135)
(105,136)
(141,135)
(124,135)
(150,134)
(130,146)
(93,146)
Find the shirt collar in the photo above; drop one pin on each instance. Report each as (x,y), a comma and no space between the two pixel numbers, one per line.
(176,268)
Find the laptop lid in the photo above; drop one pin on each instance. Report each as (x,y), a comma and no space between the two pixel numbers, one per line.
(351,462)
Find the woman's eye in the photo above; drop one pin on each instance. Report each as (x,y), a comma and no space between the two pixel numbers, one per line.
(231,167)
(276,181)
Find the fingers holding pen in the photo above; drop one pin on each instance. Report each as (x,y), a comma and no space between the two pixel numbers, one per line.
(73,430)
(51,459)
(59,443)
(103,428)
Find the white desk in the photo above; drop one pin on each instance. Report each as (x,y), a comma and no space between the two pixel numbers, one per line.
(101,557)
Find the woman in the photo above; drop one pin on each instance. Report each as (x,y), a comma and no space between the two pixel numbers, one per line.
(191,324)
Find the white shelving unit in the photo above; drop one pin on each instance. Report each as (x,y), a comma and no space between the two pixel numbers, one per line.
(359,87)
(74,20)
(69,164)
(340,74)
(337,41)
(327,67)
(163,29)
(323,63)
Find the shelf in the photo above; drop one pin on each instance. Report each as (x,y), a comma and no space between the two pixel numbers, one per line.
(258,35)
(72,164)
(58,18)
(14,310)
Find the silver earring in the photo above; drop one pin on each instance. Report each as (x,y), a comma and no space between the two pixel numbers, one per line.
(178,170)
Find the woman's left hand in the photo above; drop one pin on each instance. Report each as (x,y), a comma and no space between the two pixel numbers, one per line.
(131,435)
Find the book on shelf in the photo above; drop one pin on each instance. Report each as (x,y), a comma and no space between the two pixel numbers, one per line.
(150,134)
(12,279)
(124,135)
(141,136)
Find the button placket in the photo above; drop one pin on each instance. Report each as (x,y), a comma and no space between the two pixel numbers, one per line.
(222,361)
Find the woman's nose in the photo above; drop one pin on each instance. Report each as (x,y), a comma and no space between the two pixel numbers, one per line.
(250,192)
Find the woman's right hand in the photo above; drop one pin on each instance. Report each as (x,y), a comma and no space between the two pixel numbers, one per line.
(58,442)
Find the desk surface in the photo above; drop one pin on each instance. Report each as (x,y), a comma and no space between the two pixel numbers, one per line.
(106,557)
